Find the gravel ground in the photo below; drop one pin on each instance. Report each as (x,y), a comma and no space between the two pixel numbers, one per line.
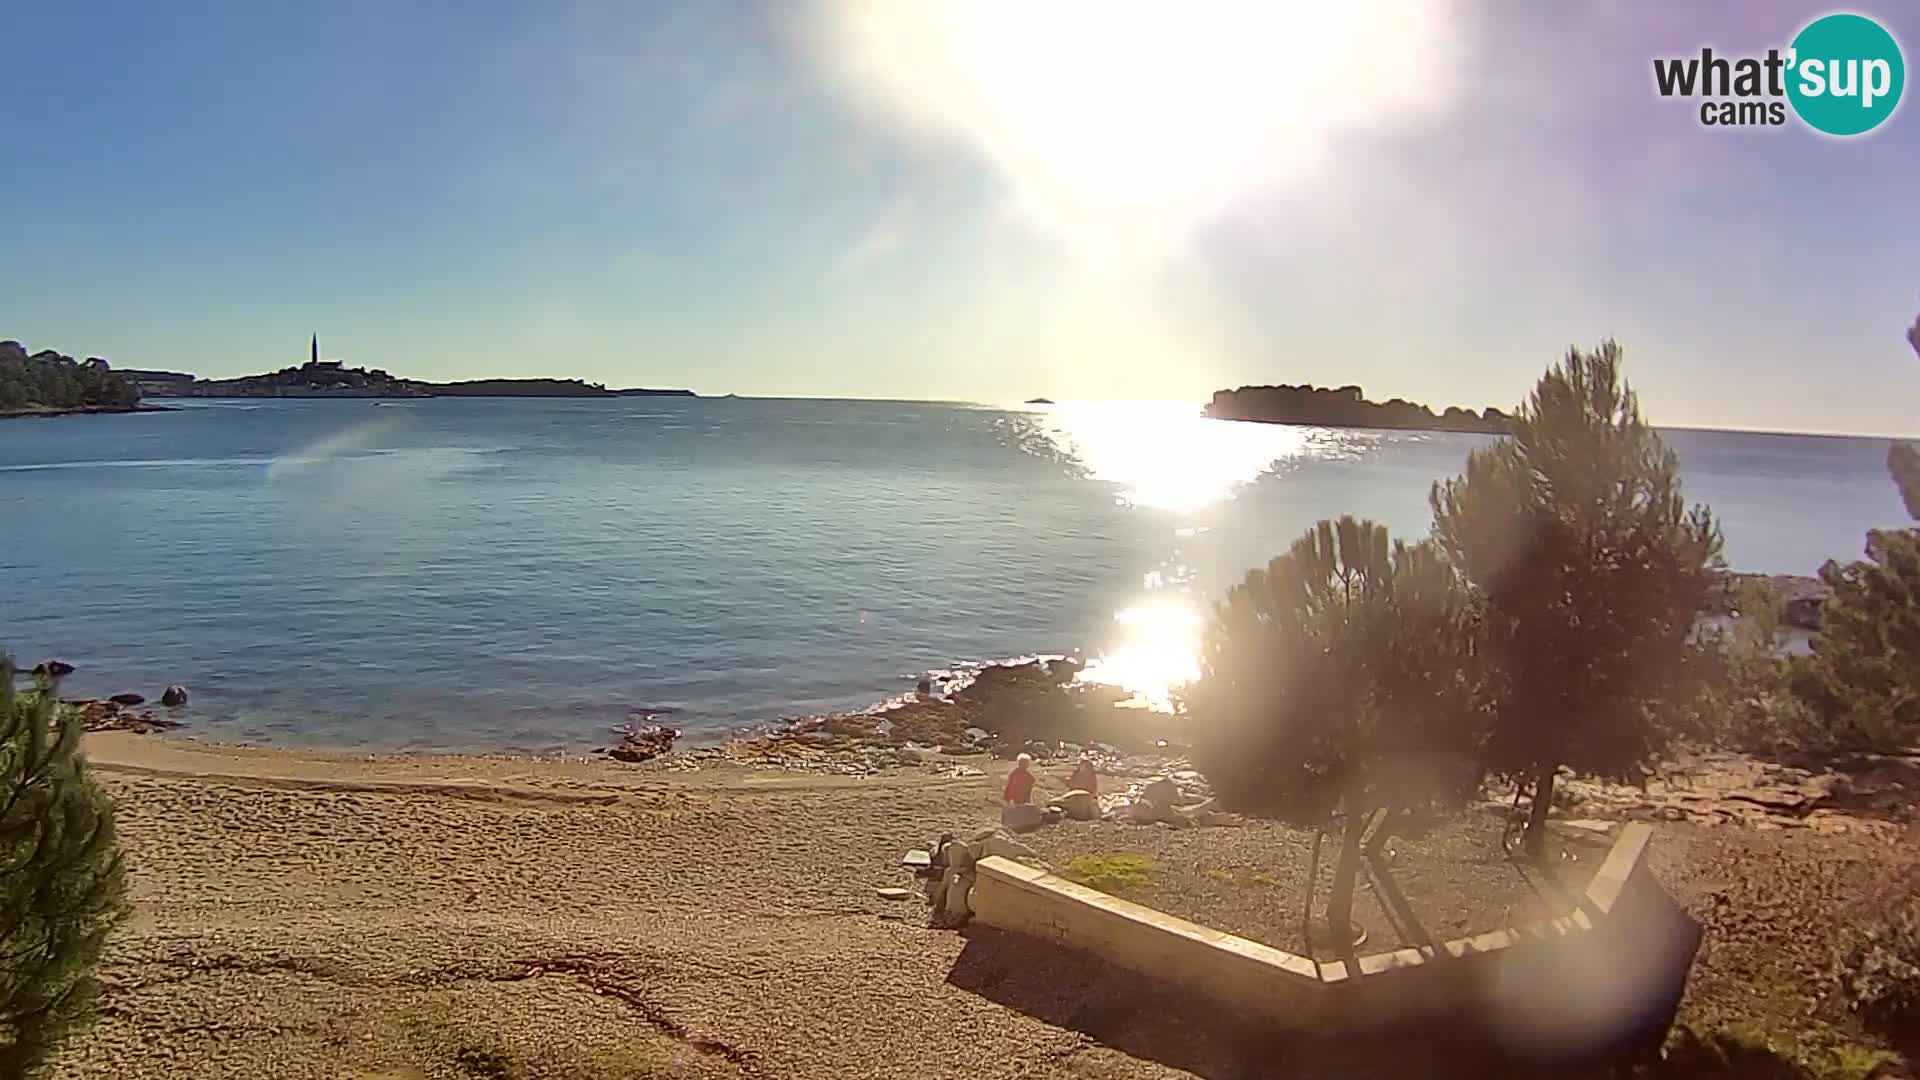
(305,915)
(1778,906)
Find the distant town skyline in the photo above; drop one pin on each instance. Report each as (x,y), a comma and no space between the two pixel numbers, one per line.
(983,201)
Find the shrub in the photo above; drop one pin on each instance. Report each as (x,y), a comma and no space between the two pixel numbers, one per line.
(1863,678)
(1747,700)
(1879,978)
(61,880)
(1744,1053)
(1592,571)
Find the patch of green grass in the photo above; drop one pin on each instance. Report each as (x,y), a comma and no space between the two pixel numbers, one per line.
(439,1034)
(1734,1052)
(1111,873)
(1216,874)
(1852,1063)
(1750,1052)
(487,1063)
(1750,1036)
(1264,880)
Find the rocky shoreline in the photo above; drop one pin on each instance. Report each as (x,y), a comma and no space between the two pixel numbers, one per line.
(967,725)
(1035,707)
(948,725)
(996,711)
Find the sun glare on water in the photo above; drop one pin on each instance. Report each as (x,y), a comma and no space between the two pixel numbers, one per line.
(1163,455)
(1158,651)
(1122,128)
(1164,459)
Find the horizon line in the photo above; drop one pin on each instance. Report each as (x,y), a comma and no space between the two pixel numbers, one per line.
(1024,406)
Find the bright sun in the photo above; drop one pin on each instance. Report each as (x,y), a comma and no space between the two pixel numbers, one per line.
(1155,114)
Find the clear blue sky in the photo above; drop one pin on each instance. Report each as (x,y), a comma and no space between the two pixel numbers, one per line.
(980,200)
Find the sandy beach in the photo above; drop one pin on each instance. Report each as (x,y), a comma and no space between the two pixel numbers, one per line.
(302,914)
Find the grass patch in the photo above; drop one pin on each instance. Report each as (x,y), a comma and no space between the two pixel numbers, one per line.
(1214,873)
(1853,1063)
(439,1035)
(1112,873)
(487,1063)
(1749,1052)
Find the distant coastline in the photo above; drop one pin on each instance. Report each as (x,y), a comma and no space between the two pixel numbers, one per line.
(28,412)
(48,383)
(329,379)
(1346,407)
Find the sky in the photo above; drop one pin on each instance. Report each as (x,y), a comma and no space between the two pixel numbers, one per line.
(982,200)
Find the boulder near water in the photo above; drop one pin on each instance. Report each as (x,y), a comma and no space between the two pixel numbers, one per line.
(128,699)
(644,743)
(174,696)
(53,669)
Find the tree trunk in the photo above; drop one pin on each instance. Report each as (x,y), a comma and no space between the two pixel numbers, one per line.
(1340,904)
(1535,842)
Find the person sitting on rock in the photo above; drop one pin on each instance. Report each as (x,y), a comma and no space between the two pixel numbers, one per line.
(1020,781)
(1085,777)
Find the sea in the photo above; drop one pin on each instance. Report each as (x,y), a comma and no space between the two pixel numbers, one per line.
(526,575)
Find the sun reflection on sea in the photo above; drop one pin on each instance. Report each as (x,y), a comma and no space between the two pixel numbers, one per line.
(1157,654)
(1164,454)
(1163,458)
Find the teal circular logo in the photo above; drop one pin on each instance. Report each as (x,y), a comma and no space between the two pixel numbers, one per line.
(1845,74)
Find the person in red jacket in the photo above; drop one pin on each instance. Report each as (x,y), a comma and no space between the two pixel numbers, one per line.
(1020,780)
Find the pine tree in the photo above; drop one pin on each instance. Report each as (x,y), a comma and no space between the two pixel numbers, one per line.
(1903,462)
(1336,677)
(1863,676)
(1903,459)
(1591,571)
(62,885)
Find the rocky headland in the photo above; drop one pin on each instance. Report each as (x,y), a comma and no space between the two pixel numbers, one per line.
(1347,407)
(49,383)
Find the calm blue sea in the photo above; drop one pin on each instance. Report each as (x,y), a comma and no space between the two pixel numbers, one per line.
(520,574)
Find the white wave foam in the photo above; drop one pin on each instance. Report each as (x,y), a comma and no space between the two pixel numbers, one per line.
(138,463)
(324,450)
